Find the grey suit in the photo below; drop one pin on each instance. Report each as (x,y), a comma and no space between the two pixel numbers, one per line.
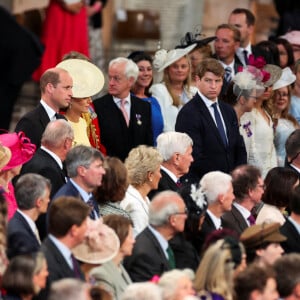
(113,278)
(234,220)
(148,258)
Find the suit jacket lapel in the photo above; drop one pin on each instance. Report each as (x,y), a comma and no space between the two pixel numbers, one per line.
(44,118)
(158,247)
(27,227)
(240,221)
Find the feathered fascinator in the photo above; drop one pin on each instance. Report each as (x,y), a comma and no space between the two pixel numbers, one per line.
(268,74)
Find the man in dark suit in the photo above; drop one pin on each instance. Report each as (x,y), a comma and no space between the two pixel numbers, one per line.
(248,188)
(226,43)
(176,151)
(212,125)
(85,169)
(291,227)
(152,254)
(292,148)
(48,160)
(124,120)
(244,20)
(67,229)
(32,194)
(56,87)
(218,190)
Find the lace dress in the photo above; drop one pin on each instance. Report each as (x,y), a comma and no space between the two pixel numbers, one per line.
(259,141)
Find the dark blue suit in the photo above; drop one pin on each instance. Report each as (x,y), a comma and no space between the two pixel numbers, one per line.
(117,138)
(69,189)
(20,238)
(57,266)
(209,151)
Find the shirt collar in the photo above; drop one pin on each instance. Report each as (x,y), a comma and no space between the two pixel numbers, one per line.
(215,220)
(54,156)
(50,112)
(118,100)
(207,102)
(244,211)
(30,222)
(172,175)
(84,195)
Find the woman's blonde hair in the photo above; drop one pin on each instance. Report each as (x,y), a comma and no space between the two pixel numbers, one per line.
(140,161)
(216,270)
(186,84)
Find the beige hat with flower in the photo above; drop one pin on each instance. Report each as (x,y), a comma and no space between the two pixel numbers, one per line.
(100,245)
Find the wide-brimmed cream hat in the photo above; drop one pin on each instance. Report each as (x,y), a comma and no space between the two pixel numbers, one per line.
(163,58)
(287,77)
(5,156)
(88,80)
(100,245)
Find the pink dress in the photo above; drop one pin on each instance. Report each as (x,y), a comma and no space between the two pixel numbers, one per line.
(11,201)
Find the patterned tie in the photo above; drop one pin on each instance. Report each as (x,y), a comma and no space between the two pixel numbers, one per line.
(227,75)
(94,207)
(245,52)
(251,220)
(171,258)
(124,111)
(219,123)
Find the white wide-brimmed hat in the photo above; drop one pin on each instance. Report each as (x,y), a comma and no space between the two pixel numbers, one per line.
(287,77)
(100,245)
(163,58)
(88,80)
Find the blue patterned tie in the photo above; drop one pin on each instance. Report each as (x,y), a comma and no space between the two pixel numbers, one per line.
(94,207)
(245,53)
(228,72)
(219,123)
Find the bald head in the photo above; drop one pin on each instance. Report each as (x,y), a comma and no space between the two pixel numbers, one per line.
(163,205)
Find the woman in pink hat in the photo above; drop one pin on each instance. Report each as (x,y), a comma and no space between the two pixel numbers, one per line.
(22,151)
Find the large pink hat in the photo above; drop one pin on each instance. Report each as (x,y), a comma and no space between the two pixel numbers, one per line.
(20,147)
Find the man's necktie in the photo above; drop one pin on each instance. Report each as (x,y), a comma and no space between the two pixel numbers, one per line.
(124,111)
(94,207)
(245,52)
(178,183)
(76,267)
(219,123)
(227,75)
(37,235)
(171,258)
(251,220)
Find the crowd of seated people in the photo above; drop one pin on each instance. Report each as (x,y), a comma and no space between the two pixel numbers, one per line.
(181,189)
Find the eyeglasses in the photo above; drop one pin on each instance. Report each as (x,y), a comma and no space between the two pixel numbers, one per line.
(185,212)
(282,95)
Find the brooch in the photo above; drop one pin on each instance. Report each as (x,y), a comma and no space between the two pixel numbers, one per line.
(247,129)
(138,119)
